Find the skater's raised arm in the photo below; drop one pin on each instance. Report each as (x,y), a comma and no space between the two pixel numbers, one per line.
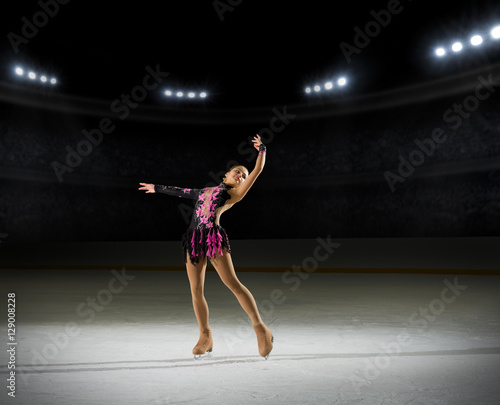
(241,191)
(191,193)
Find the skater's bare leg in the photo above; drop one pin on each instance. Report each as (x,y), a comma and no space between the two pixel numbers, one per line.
(196,275)
(224,266)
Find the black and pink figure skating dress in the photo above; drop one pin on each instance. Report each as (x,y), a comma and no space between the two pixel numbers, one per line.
(204,236)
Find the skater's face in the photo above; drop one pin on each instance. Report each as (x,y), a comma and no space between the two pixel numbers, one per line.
(236,176)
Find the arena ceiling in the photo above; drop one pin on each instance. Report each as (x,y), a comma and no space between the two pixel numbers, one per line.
(243,53)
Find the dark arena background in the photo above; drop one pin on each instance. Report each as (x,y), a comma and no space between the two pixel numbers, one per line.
(370,241)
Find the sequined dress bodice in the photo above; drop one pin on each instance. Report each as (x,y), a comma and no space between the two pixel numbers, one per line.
(210,203)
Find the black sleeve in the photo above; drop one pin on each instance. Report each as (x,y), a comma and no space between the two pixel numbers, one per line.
(191,193)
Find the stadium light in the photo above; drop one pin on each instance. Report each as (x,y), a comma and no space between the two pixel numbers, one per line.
(495,32)
(440,52)
(476,40)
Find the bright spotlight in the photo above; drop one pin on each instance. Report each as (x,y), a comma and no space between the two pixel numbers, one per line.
(495,32)
(191,94)
(168,93)
(32,75)
(180,94)
(440,52)
(19,71)
(328,85)
(457,47)
(203,94)
(53,81)
(307,90)
(317,88)
(476,40)
(342,81)
(43,79)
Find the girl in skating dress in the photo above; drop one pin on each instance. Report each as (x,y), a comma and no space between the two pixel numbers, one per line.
(205,238)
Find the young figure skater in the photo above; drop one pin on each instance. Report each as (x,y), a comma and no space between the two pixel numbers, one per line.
(206,238)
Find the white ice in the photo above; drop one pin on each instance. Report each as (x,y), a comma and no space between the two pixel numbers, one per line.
(339,339)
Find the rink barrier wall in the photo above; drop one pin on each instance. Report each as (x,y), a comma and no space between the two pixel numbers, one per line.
(478,255)
(477,272)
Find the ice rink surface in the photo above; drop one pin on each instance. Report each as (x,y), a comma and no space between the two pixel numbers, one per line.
(125,337)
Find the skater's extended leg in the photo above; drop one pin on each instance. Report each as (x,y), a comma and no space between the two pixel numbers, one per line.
(224,266)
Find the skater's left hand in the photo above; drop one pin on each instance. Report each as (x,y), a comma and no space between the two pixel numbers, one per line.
(256,142)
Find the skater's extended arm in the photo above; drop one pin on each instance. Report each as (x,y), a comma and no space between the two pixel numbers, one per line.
(192,193)
(241,191)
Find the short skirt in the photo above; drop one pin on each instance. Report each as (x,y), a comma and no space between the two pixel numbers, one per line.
(204,242)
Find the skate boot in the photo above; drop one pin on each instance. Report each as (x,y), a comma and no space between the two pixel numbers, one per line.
(204,346)
(265,339)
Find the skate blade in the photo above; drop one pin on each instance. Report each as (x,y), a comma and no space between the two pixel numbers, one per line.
(207,355)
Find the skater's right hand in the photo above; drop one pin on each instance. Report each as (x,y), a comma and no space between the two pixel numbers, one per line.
(150,188)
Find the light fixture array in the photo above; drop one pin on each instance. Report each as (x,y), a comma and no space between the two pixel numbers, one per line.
(474,41)
(182,94)
(34,76)
(327,86)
